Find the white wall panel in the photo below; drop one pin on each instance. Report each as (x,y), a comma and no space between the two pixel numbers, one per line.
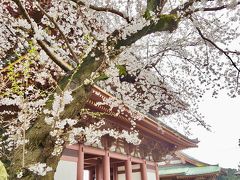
(66,170)
(151,175)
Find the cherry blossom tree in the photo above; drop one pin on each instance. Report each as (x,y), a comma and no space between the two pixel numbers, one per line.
(156,56)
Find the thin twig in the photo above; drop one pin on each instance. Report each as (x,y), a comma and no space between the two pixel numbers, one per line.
(16,36)
(233,52)
(24,12)
(55,58)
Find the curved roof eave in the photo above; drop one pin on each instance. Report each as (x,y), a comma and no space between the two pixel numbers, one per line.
(171,135)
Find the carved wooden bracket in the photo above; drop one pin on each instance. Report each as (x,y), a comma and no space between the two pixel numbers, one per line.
(156,155)
(80,138)
(128,148)
(144,151)
(107,141)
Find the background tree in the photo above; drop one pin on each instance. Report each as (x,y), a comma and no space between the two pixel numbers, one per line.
(228,174)
(156,56)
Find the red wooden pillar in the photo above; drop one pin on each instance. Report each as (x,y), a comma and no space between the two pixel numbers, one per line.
(143,168)
(91,172)
(156,171)
(80,163)
(115,172)
(106,166)
(99,170)
(128,169)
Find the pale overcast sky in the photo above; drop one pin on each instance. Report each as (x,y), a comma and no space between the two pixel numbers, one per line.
(221,145)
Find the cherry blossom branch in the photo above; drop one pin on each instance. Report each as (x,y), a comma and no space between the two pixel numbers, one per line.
(200,121)
(234,52)
(183,7)
(164,23)
(217,47)
(188,4)
(16,36)
(24,12)
(60,31)
(60,62)
(55,58)
(13,63)
(214,8)
(238,74)
(103,9)
(223,51)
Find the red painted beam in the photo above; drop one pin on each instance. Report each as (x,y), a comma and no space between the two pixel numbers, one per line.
(118,156)
(95,151)
(69,158)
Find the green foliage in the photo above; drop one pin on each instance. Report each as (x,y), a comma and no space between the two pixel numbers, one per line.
(148,14)
(14,76)
(101,77)
(152,5)
(32,47)
(122,70)
(3,172)
(168,17)
(95,115)
(229,175)
(167,21)
(88,38)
